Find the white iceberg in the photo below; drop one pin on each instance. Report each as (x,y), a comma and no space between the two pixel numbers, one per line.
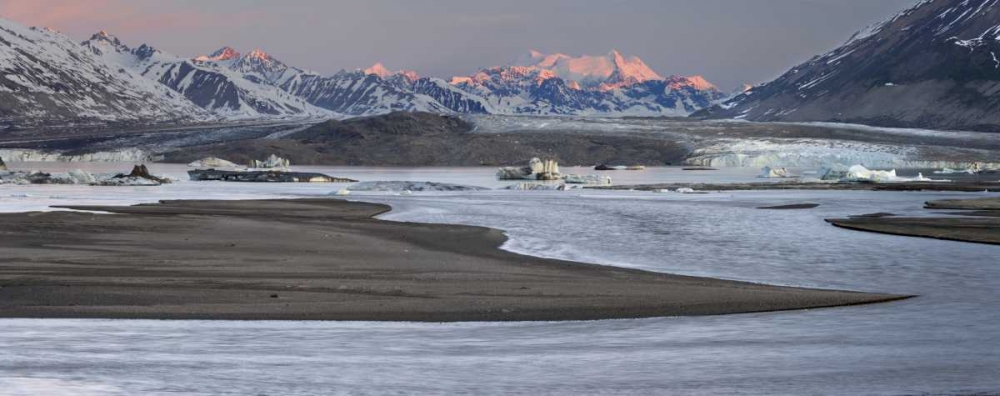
(79,176)
(774,173)
(273,162)
(212,162)
(587,179)
(949,171)
(536,170)
(858,173)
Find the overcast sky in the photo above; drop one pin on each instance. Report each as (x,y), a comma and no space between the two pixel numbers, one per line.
(728,41)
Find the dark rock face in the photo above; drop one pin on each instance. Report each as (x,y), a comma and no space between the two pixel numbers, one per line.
(3,166)
(936,65)
(139,173)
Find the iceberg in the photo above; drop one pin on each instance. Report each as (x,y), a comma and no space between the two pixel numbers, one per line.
(272,163)
(539,187)
(774,173)
(403,186)
(681,190)
(606,167)
(858,173)
(587,179)
(139,176)
(81,177)
(536,170)
(212,162)
(949,171)
(974,169)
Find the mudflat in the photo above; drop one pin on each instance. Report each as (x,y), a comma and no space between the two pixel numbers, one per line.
(327,259)
(978,221)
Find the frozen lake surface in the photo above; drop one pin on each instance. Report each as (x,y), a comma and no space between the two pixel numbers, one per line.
(943,342)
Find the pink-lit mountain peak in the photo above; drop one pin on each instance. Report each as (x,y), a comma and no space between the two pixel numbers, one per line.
(379,69)
(592,69)
(383,72)
(222,54)
(258,53)
(700,83)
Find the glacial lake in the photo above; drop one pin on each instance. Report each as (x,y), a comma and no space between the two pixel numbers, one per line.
(946,341)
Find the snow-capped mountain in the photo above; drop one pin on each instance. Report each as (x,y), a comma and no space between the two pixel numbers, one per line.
(587,85)
(606,72)
(611,85)
(358,93)
(228,85)
(221,55)
(934,65)
(47,78)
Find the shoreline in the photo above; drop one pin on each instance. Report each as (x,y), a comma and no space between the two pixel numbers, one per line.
(965,186)
(329,259)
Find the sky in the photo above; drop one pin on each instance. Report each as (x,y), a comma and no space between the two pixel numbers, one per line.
(730,42)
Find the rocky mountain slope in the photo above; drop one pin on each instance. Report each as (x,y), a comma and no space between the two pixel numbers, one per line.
(47,78)
(935,65)
(225,83)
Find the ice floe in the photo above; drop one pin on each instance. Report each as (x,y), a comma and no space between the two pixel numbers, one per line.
(404,186)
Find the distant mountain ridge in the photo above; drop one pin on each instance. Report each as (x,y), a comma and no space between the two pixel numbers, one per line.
(934,65)
(150,85)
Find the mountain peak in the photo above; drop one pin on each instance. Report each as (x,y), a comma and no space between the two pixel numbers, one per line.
(104,36)
(608,71)
(700,83)
(102,42)
(378,69)
(222,54)
(225,53)
(258,53)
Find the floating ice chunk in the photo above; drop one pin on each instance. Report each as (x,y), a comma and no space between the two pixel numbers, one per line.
(587,179)
(771,173)
(79,176)
(685,190)
(212,162)
(858,173)
(949,171)
(539,187)
(272,162)
(400,186)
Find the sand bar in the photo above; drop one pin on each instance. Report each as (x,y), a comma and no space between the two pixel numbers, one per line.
(328,259)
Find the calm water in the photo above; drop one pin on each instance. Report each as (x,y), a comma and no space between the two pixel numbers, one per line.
(944,342)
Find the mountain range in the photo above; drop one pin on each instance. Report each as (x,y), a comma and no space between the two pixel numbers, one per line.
(48,79)
(934,65)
